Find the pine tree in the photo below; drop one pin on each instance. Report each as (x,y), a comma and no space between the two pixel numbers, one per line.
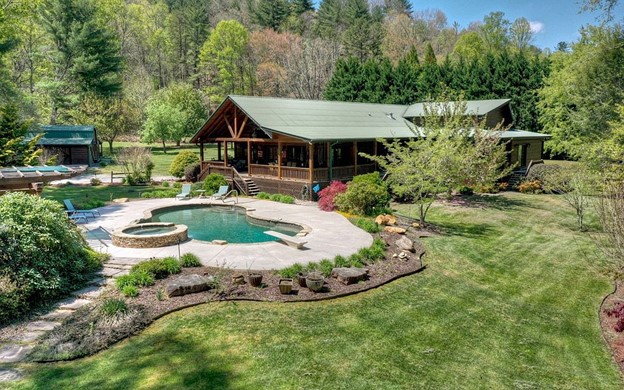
(398,6)
(271,13)
(330,22)
(297,7)
(430,58)
(15,151)
(347,82)
(406,80)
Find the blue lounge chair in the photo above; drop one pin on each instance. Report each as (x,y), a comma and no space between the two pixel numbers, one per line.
(186,192)
(71,210)
(221,193)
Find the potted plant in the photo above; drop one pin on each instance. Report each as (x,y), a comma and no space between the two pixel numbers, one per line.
(301,279)
(255,279)
(285,285)
(315,281)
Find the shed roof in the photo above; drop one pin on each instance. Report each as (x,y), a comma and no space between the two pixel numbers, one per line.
(64,135)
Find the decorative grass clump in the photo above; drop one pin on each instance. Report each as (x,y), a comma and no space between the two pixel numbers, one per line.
(292,271)
(112,307)
(159,268)
(188,260)
(130,291)
(367,225)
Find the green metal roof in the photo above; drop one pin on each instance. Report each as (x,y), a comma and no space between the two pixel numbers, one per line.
(64,135)
(316,120)
(319,121)
(473,107)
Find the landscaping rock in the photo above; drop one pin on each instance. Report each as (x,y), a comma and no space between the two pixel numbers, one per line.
(8,375)
(12,353)
(91,292)
(56,315)
(394,229)
(37,326)
(385,220)
(120,200)
(188,284)
(405,244)
(73,304)
(349,275)
(219,242)
(28,337)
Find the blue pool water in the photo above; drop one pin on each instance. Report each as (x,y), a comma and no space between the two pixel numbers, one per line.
(215,223)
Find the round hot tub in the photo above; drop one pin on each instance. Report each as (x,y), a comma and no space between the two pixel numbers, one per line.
(150,235)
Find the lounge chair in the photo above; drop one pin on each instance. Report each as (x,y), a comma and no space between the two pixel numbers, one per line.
(71,210)
(221,193)
(186,192)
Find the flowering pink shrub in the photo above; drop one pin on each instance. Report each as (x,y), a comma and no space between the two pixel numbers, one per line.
(327,195)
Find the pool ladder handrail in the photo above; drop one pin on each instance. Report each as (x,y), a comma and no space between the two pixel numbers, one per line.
(228,194)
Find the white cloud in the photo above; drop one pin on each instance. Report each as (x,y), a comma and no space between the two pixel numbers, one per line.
(536,27)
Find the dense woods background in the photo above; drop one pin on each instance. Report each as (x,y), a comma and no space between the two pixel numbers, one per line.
(155,68)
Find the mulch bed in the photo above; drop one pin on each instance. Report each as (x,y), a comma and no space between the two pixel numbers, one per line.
(380,273)
(615,340)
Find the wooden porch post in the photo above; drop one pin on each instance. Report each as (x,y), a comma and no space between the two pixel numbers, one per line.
(225,156)
(201,152)
(249,157)
(218,151)
(355,151)
(279,159)
(311,161)
(375,152)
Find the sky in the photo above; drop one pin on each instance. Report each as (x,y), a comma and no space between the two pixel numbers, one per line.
(553,21)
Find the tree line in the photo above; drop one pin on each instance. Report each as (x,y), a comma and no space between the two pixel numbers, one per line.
(156,68)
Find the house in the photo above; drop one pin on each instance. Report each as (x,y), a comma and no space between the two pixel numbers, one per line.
(73,144)
(291,145)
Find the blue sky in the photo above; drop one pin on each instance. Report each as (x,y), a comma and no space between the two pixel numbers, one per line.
(553,20)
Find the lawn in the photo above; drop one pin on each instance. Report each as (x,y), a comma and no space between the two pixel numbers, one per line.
(509,299)
(161,160)
(88,197)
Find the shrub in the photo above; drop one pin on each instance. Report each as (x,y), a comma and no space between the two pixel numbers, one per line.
(488,189)
(191,173)
(281,198)
(366,195)
(177,185)
(159,194)
(541,172)
(292,271)
(165,184)
(184,159)
(137,164)
(263,195)
(328,194)
(503,186)
(158,268)
(356,260)
(112,307)
(130,291)
(341,261)
(213,182)
(137,278)
(326,266)
(530,187)
(189,260)
(42,253)
(367,225)
(465,190)
(95,181)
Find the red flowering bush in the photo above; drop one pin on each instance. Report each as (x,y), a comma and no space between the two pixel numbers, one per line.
(327,195)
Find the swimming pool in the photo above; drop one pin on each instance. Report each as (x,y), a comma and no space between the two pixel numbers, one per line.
(231,224)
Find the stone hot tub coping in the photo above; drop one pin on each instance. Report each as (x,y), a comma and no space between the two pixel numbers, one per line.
(125,239)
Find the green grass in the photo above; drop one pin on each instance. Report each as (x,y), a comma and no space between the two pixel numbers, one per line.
(86,197)
(509,299)
(161,160)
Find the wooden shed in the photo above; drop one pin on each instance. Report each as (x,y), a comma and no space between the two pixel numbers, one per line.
(73,144)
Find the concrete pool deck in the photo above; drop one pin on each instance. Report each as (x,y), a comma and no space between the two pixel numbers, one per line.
(330,234)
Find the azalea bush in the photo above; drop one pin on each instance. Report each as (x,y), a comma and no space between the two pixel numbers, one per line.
(366,195)
(42,254)
(328,194)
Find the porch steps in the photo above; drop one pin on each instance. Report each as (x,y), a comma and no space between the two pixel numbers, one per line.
(253,187)
(516,178)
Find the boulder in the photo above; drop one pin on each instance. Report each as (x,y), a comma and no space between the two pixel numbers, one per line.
(405,244)
(188,284)
(349,275)
(394,229)
(219,242)
(385,220)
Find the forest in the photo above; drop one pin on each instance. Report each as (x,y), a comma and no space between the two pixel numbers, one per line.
(154,69)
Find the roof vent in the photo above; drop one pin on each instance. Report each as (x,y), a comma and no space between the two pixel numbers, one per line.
(390,115)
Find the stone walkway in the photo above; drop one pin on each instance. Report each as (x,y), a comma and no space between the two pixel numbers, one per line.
(28,335)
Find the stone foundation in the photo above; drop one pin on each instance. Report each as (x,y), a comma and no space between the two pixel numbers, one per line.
(124,240)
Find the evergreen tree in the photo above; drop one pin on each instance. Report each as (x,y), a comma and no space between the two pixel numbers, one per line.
(7,43)
(398,6)
(347,82)
(406,80)
(271,13)
(430,58)
(330,22)
(15,151)
(85,56)
(297,7)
